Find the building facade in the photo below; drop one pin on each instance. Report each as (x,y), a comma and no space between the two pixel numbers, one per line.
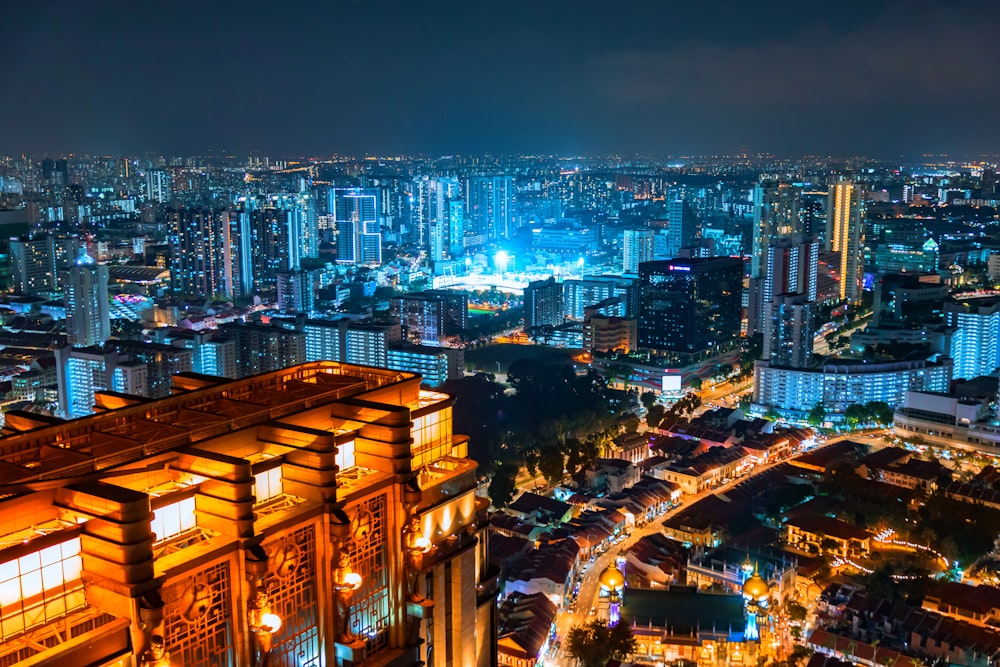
(320,515)
(690,306)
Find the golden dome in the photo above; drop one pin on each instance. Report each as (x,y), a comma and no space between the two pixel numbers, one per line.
(755,588)
(612,578)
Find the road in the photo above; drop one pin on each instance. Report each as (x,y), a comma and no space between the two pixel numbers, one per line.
(587,598)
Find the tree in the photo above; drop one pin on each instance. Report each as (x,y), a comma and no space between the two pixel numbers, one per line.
(630,423)
(551,464)
(502,486)
(593,644)
(855,414)
(655,415)
(817,415)
(648,399)
(695,383)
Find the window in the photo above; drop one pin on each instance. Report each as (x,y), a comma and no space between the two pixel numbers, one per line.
(267,484)
(173,519)
(40,587)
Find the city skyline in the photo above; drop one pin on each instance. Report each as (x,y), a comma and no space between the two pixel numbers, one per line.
(352,78)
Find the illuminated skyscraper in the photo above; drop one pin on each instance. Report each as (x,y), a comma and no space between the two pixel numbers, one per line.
(207,254)
(489,202)
(86,298)
(845,234)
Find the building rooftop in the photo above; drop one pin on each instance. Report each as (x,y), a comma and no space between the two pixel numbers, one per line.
(683,610)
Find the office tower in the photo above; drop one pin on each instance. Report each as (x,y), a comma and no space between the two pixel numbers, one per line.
(210,253)
(356,218)
(261,348)
(332,499)
(489,207)
(33,264)
(86,297)
(789,341)
(542,304)
(680,227)
(845,235)
(975,341)
(637,247)
(690,306)
(83,373)
(297,291)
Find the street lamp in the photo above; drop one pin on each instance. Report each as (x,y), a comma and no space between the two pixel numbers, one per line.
(345,582)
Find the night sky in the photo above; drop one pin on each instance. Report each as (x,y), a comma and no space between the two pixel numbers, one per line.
(578,77)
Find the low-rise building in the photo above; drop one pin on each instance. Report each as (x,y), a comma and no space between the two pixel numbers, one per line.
(524,624)
(814,533)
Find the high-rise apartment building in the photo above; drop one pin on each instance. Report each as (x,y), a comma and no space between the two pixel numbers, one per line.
(845,234)
(776,214)
(789,339)
(790,267)
(637,247)
(87,307)
(322,515)
(209,256)
(542,304)
(975,341)
(297,291)
(83,373)
(489,207)
(680,226)
(33,264)
(358,226)
(261,348)
(690,306)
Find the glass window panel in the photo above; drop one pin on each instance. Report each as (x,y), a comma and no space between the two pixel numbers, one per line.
(34,616)
(10,593)
(29,562)
(52,576)
(71,547)
(51,555)
(55,608)
(13,625)
(31,584)
(171,520)
(9,570)
(76,599)
(72,568)
(188,520)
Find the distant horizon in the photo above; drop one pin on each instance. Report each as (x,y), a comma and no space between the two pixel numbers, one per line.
(333,157)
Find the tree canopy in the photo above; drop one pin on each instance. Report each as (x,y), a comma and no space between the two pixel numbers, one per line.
(593,644)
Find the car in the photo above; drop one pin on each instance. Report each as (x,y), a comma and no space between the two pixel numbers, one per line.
(593,611)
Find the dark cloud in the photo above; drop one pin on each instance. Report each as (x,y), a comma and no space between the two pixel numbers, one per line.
(450,76)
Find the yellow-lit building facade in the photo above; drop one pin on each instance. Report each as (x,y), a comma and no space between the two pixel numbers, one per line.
(320,515)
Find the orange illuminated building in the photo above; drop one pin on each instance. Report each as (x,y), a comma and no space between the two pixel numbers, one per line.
(320,515)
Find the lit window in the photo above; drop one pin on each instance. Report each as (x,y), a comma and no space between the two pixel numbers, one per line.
(173,519)
(267,484)
(40,587)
